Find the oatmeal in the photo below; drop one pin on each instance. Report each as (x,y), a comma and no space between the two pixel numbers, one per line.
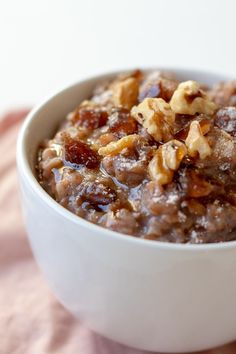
(149,156)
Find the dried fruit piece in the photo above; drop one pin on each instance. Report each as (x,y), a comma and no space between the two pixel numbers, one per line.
(166,160)
(196,142)
(168,87)
(79,153)
(182,133)
(156,116)
(115,147)
(190,99)
(121,123)
(125,93)
(90,118)
(150,90)
(160,87)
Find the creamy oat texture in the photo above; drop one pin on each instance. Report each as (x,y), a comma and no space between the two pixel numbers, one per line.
(149,156)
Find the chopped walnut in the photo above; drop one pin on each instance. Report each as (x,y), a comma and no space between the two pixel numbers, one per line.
(196,142)
(115,147)
(127,161)
(125,93)
(190,99)
(158,171)
(166,160)
(156,116)
(173,153)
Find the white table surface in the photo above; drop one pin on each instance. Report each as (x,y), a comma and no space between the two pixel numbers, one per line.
(47,44)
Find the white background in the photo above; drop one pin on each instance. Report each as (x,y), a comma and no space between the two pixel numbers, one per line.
(47,44)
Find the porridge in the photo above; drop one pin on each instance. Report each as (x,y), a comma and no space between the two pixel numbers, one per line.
(149,156)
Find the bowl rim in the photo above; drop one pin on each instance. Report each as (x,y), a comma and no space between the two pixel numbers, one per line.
(25,171)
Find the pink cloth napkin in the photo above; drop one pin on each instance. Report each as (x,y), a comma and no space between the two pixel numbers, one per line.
(31,319)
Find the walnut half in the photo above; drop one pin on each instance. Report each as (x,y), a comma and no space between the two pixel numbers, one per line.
(156,116)
(190,99)
(166,160)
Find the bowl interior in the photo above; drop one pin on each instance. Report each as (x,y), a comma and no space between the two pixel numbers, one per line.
(43,121)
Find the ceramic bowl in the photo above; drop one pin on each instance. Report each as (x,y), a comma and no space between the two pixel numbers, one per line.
(145,294)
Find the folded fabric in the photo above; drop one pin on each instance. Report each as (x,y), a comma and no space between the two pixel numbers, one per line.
(31,319)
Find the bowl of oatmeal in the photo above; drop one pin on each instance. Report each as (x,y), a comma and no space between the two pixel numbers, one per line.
(129,192)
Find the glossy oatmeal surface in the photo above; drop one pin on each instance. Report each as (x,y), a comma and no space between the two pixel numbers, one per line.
(149,156)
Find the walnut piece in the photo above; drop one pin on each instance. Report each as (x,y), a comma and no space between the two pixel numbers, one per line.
(190,99)
(173,153)
(125,93)
(156,116)
(196,142)
(115,147)
(166,160)
(158,171)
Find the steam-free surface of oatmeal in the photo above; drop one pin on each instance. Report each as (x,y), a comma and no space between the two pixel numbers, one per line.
(149,156)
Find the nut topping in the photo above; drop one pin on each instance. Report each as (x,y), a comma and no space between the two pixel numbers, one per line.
(156,116)
(115,147)
(148,156)
(196,142)
(190,99)
(125,93)
(166,160)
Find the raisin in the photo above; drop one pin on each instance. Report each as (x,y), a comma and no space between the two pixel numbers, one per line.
(151,90)
(90,118)
(182,133)
(167,88)
(183,122)
(79,153)
(162,88)
(121,123)
(97,193)
(226,119)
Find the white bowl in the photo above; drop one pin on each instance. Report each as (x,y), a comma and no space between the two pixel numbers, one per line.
(145,294)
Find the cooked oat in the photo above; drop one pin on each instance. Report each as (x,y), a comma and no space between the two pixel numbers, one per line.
(149,156)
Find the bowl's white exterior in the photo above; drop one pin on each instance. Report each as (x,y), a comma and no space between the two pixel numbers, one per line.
(145,294)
